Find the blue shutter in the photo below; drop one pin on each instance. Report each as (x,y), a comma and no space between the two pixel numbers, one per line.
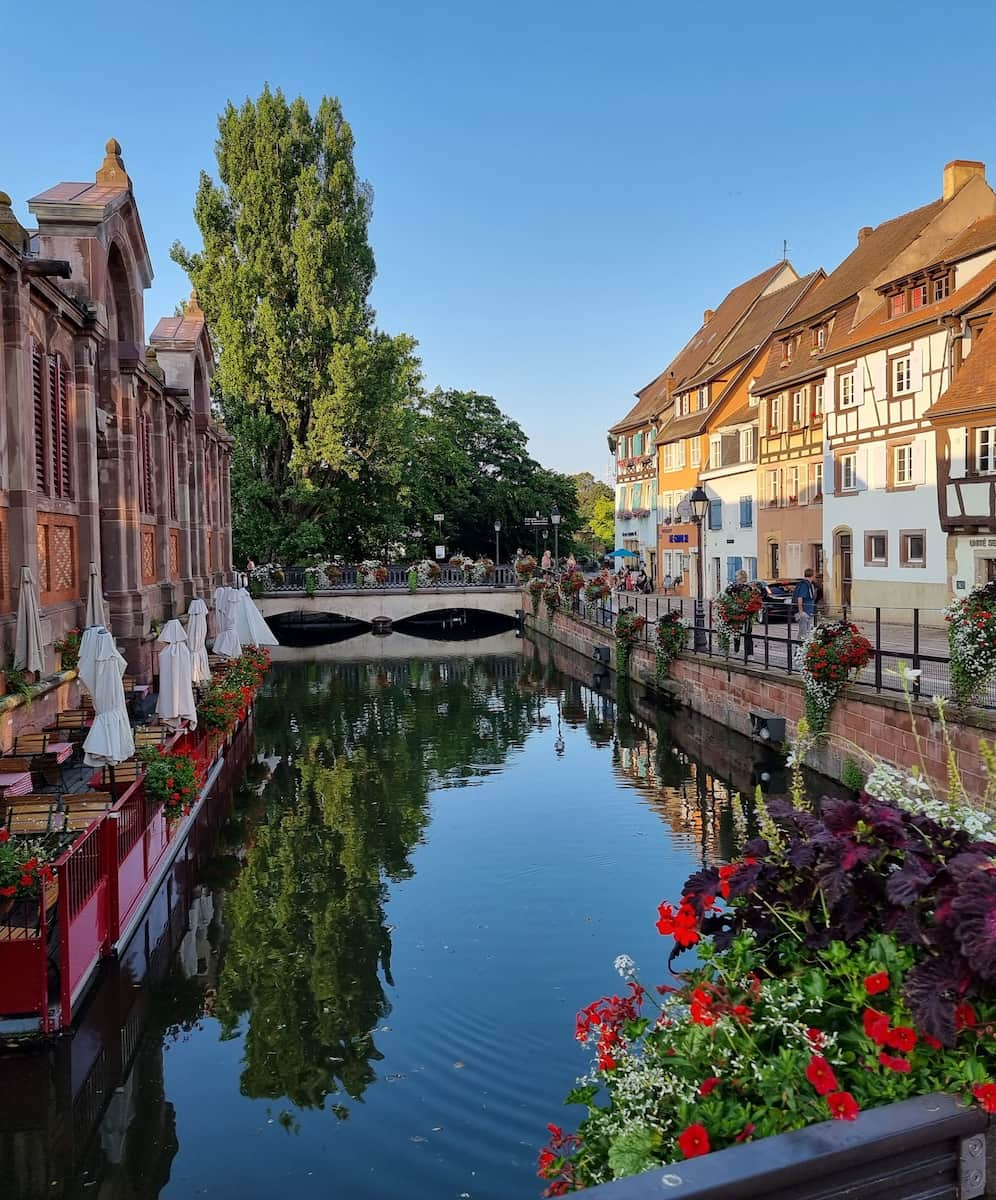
(746,512)
(715,514)
(733,564)
(751,568)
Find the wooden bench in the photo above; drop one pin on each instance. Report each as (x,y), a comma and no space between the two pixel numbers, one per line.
(150,737)
(126,772)
(30,743)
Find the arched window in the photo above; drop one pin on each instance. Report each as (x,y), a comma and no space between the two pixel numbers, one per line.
(120,296)
(200,389)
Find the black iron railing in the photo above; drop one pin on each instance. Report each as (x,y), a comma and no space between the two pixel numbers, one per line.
(906,643)
(347,579)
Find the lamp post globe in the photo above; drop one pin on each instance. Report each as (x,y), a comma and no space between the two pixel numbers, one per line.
(555,522)
(699,503)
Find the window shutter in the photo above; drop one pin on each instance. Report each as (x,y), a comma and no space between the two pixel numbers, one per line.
(877,369)
(146,465)
(861,471)
(38,394)
(919,462)
(957,438)
(65,469)
(916,369)
(876,457)
(829,391)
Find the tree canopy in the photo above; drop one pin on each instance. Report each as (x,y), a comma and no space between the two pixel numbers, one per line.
(337,448)
(596,508)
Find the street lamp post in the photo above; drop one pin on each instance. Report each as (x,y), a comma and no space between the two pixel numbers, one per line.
(555,521)
(438,518)
(497,544)
(699,503)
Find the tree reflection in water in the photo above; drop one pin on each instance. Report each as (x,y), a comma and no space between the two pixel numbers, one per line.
(309,957)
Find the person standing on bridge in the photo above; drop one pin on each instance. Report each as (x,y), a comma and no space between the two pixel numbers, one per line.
(546,562)
(804,601)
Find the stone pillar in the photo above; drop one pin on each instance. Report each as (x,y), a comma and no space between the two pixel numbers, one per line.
(84,438)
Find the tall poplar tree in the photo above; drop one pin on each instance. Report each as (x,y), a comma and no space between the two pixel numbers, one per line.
(320,402)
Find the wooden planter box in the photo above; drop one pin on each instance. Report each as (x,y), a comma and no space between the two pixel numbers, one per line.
(928,1148)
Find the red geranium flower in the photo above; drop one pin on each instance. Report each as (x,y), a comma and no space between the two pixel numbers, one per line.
(706,1086)
(931,1041)
(694,1141)
(815,1038)
(820,1075)
(7,892)
(843,1106)
(902,1065)
(985,1093)
(901,1038)
(4,835)
(879,982)
(876,1025)
(964,1017)
(746,1132)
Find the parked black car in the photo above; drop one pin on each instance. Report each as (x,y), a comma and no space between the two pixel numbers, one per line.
(777,597)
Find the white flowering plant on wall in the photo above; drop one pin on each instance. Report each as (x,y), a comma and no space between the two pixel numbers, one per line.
(972,643)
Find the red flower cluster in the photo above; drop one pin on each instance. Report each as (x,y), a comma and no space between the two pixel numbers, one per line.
(882,1032)
(879,982)
(554,1161)
(835,650)
(820,1075)
(694,1141)
(682,925)
(608,1016)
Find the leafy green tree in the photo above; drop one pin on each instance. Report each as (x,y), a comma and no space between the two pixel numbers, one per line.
(596,508)
(475,468)
(322,404)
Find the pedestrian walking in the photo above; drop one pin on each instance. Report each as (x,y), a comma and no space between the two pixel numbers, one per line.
(572,562)
(804,603)
(546,563)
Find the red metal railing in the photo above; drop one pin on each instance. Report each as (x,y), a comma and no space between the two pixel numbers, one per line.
(103,879)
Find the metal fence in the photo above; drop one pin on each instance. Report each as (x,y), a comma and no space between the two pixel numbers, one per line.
(295,580)
(909,640)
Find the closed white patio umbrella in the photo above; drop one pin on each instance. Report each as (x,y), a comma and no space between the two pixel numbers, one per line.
(175,705)
(86,667)
(196,637)
(95,614)
(218,602)
(110,740)
(227,642)
(28,635)
(249,622)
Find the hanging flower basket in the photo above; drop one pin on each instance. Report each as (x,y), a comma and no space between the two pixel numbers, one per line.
(830,658)
(629,626)
(525,566)
(371,573)
(598,590)
(536,589)
(571,585)
(551,601)
(672,638)
(972,643)
(735,611)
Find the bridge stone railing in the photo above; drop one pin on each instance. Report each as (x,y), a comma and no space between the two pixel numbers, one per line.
(397,580)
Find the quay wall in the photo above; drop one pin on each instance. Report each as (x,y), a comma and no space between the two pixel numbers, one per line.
(863,720)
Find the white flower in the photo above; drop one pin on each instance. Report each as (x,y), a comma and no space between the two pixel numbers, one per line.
(625,966)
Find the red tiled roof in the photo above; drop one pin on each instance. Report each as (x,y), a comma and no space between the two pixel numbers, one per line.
(974,387)
(979,236)
(186,328)
(880,324)
(867,260)
(707,339)
(766,315)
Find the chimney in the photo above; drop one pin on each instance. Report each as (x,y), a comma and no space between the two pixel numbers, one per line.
(863,232)
(10,226)
(707,316)
(958,172)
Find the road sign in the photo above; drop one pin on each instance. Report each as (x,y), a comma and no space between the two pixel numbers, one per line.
(538,521)
(438,517)
(440,552)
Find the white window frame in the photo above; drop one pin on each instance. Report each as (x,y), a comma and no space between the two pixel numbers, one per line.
(849,472)
(816,477)
(817,399)
(695,452)
(775,413)
(715,451)
(902,376)
(774,488)
(798,407)
(902,465)
(848,390)
(703,397)
(669,456)
(985,450)
(792,496)
(680,458)
(746,445)
(906,558)
(878,559)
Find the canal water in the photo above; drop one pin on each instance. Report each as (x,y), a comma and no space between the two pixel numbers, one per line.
(429,870)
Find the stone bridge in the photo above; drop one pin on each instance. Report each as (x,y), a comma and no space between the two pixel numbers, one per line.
(395,604)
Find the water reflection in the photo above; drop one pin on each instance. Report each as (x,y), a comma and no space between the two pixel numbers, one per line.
(373,940)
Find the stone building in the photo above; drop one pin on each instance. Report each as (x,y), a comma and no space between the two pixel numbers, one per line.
(108,449)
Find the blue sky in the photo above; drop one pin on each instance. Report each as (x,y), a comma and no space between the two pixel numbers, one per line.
(560,188)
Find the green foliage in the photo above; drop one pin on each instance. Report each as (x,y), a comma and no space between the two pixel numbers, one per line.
(852,776)
(596,508)
(320,402)
(603,519)
(472,464)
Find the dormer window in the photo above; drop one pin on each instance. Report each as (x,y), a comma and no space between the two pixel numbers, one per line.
(787,348)
(897,305)
(819,337)
(703,397)
(942,288)
(918,296)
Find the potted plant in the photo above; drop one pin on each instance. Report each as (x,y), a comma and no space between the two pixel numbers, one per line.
(68,649)
(830,657)
(25,871)
(171,779)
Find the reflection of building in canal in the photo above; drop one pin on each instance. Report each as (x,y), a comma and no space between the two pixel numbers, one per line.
(91,1112)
